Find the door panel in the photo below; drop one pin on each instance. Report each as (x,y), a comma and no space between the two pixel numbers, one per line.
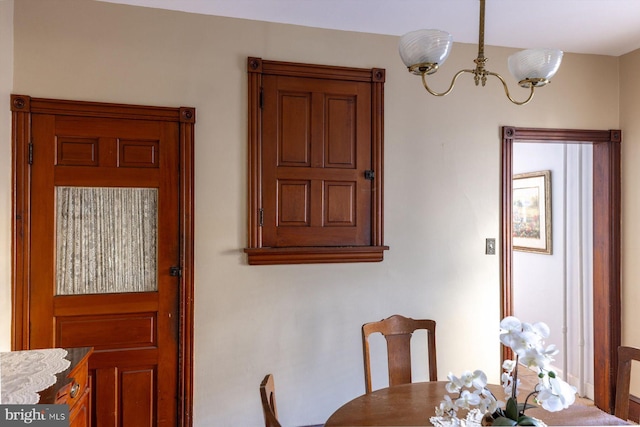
(104,332)
(108,239)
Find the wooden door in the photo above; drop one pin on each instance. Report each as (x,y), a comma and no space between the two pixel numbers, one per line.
(105,257)
(317,162)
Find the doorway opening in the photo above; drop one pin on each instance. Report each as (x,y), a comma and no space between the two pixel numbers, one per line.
(606,241)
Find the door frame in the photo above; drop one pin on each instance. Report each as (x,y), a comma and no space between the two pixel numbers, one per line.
(22,107)
(606,241)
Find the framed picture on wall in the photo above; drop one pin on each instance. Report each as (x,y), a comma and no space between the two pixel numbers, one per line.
(531,226)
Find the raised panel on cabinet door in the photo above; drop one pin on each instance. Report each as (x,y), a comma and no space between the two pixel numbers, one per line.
(341,132)
(294,129)
(340,206)
(294,203)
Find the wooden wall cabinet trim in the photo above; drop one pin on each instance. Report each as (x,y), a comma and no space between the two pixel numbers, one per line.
(315,163)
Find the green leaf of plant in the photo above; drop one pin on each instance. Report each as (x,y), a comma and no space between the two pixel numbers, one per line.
(522,407)
(502,421)
(527,421)
(512,409)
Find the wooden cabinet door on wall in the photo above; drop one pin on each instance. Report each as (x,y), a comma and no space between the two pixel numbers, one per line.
(315,163)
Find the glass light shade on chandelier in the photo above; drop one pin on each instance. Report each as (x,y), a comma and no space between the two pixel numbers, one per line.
(423,47)
(424,51)
(534,64)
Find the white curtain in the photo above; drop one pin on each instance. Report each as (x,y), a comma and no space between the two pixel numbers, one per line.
(106,240)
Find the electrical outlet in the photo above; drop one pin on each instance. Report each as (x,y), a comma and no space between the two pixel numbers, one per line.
(490,246)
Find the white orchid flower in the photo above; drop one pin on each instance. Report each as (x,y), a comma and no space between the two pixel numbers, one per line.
(526,340)
(467,399)
(541,329)
(467,378)
(479,379)
(557,396)
(455,384)
(506,379)
(511,323)
(508,365)
(533,358)
(510,330)
(488,404)
(507,385)
(446,406)
(551,350)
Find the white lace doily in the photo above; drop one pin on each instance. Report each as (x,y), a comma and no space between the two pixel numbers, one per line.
(473,419)
(25,373)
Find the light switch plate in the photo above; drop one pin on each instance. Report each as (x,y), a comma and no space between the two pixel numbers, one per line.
(490,246)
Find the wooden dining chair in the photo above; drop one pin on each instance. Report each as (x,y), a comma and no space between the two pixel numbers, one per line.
(397,331)
(626,355)
(268,397)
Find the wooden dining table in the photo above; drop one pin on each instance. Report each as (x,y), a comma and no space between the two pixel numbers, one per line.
(413,404)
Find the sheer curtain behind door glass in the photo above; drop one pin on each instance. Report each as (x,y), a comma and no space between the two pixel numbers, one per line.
(106,240)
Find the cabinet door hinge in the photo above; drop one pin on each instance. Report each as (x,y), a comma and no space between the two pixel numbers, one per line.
(261,217)
(370,175)
(261,101)
(175,271)
(30,154)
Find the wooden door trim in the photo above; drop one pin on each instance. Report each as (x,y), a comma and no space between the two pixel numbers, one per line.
(606,218)
(22,107)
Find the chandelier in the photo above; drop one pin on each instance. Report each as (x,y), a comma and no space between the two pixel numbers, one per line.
(424,51)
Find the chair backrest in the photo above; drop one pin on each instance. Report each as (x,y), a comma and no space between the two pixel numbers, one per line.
(625,356)
(268,397)
(397,330)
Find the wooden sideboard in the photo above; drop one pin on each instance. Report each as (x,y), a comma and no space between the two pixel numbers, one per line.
(73,387)
(49,376)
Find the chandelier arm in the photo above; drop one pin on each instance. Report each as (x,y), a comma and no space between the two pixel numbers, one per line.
(453,82)
(506,89)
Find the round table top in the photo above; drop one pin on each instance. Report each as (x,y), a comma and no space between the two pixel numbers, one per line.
(413,404)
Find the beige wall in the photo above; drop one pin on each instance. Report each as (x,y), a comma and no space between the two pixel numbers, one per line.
(629,111)
(441,192)
(6,84)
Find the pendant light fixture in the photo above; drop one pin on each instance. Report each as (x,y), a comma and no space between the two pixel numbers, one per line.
(424,51)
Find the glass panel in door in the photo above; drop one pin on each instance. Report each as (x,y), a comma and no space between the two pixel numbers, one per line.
(106,240)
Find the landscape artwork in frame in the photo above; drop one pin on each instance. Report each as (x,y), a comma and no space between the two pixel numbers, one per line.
(532,212)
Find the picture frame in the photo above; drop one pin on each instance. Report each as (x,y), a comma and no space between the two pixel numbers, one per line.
(531,224)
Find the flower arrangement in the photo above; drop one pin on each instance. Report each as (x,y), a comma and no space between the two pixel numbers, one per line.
(527,343)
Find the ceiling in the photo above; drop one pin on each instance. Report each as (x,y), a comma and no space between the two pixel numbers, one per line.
(607,27)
